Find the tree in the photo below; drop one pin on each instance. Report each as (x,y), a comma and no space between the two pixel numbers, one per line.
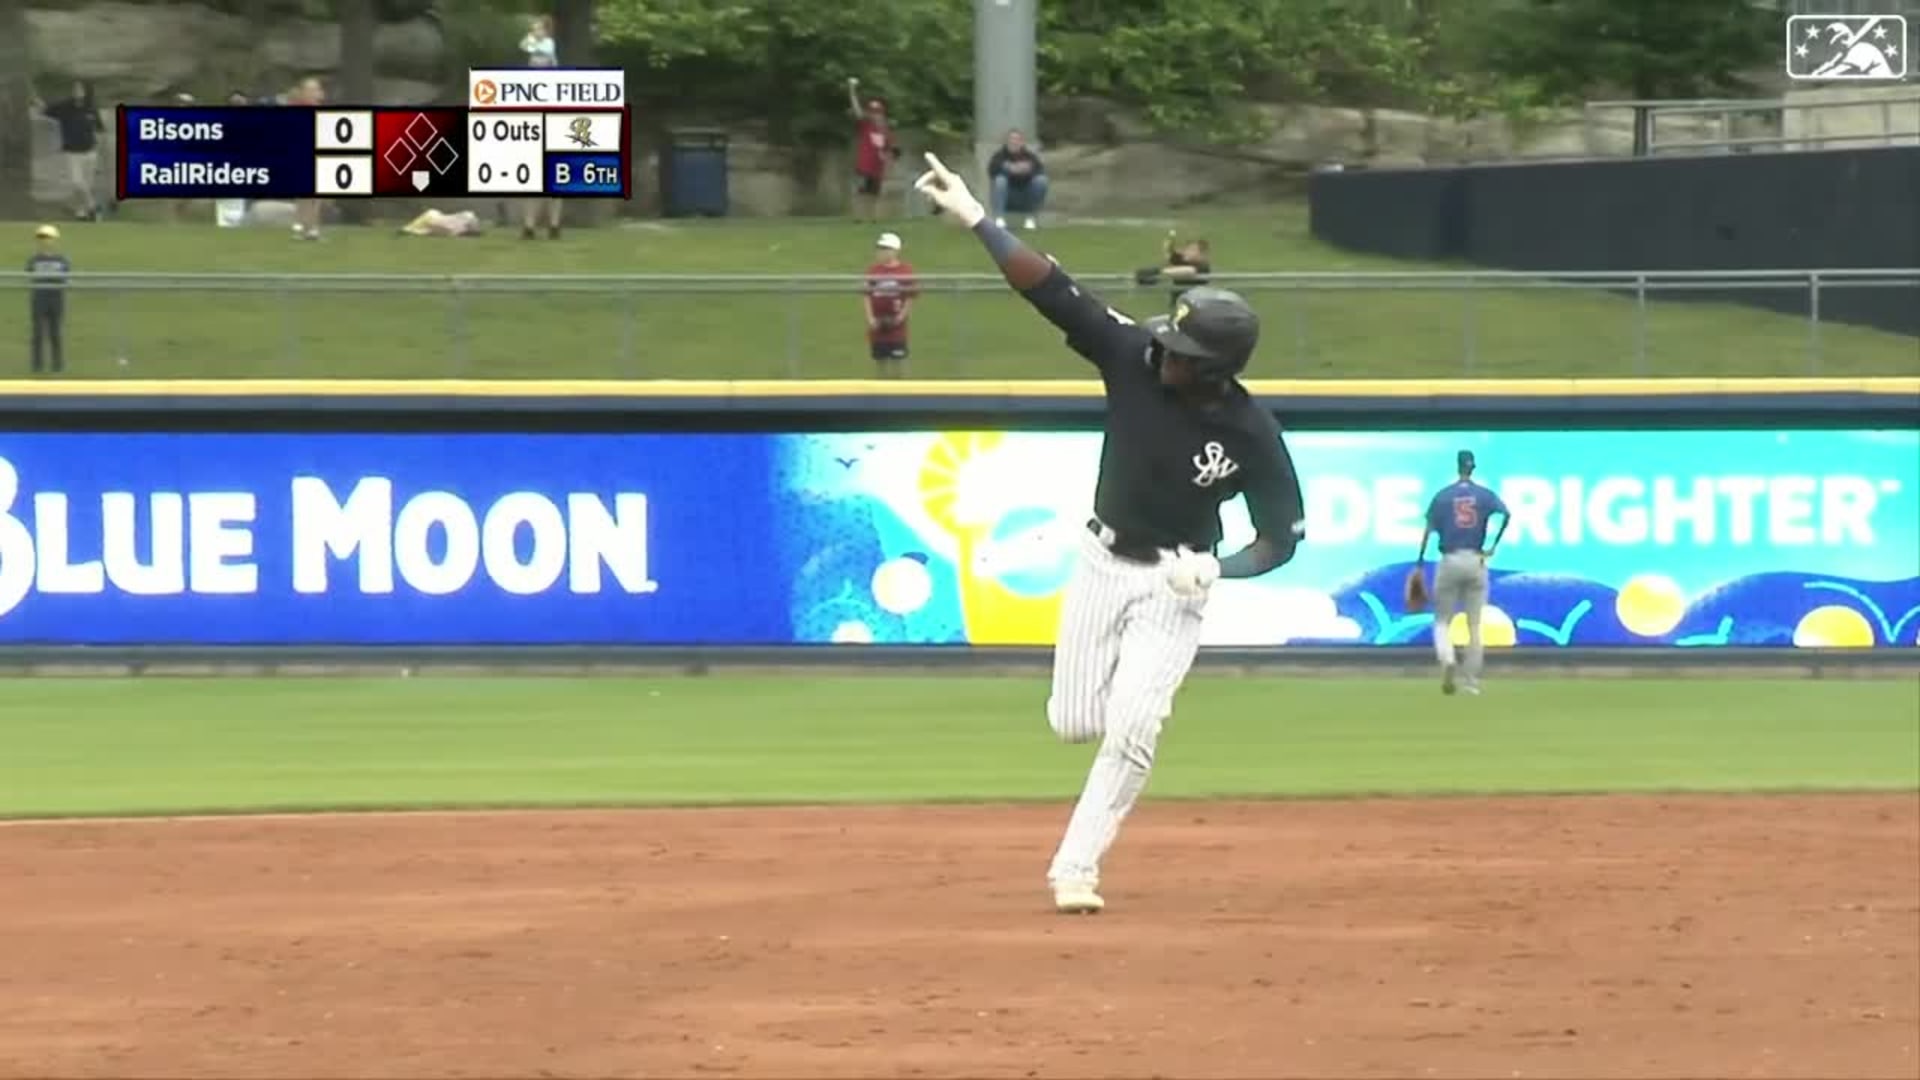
(1648,48)
(357,26)
(1190,65)
(788,62)
(573,32)
(16,112)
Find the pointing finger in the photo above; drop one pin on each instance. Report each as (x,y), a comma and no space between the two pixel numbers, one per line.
(933,163)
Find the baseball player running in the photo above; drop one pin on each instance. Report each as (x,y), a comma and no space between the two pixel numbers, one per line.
(1458,515)
(1182,437)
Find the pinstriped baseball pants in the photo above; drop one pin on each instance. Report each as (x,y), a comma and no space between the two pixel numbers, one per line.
(1125,645)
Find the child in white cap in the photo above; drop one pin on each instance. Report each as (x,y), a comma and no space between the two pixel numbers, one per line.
(890,293)
(47,271)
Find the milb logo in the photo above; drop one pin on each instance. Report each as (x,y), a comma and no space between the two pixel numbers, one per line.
(1847,47)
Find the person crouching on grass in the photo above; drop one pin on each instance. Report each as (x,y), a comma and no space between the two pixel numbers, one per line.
(1187,265)
(890,293)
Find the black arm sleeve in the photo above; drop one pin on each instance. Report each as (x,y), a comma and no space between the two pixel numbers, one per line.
(997,164)
(1093,329)
(1275,505)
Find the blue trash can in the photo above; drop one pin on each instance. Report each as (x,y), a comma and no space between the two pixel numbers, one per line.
(693,173)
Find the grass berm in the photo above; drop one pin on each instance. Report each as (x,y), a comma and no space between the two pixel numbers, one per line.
(442,320)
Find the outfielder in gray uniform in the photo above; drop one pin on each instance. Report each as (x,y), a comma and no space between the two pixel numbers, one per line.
(1459,515)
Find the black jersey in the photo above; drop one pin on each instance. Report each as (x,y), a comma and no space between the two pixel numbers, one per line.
(1167,464)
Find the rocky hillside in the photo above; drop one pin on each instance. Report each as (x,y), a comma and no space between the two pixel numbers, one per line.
(148,52)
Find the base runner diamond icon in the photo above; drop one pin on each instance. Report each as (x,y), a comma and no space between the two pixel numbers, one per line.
(420,178)
(1853,47)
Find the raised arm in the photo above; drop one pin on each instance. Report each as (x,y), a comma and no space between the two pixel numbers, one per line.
(1093,329)
(853,98)
(1276,508)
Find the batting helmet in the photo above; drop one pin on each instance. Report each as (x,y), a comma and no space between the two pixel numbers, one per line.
(1212,327)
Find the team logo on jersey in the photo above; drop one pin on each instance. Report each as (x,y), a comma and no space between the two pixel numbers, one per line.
(1180,313)
(1847,47)
(1212,465)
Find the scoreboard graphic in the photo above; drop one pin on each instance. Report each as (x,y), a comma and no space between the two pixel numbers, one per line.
(557,133)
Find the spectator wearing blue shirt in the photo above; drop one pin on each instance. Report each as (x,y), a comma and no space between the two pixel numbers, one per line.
(1459,515)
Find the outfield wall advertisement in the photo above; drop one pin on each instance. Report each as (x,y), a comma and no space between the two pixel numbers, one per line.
(1686,539)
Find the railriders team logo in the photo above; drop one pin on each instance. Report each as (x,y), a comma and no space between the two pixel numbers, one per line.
(1212,465)
(1847,47)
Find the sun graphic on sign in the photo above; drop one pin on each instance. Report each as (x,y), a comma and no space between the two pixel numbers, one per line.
(1650,605)
(950,484)
(971,488)
(1496,629)
(1833,627)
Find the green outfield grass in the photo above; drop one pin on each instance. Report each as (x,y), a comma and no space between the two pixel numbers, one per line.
(125,746)
(381,331)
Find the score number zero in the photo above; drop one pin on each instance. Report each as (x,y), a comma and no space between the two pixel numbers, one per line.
(506,155)
(522,173)
(343,145)
(342,174)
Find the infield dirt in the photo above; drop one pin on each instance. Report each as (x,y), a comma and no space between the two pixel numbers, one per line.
(1574,936)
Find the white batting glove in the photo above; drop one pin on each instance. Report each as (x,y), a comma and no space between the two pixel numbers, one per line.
(1192,573)
(950,194)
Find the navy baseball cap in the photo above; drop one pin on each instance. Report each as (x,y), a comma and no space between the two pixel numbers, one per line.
(1465,460)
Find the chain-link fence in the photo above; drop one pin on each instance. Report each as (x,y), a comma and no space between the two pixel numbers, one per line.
(1386,325)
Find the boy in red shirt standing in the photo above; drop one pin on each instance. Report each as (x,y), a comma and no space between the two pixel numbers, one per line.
(873,149)
(890,292)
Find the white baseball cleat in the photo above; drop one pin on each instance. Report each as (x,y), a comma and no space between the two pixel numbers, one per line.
(1077,898)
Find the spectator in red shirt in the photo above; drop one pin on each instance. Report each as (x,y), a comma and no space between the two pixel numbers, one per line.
(890,293)
(873,149)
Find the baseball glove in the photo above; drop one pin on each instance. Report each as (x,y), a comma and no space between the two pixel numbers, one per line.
(1416,591)
(1146,275)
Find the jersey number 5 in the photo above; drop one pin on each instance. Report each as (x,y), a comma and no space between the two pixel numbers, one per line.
(1466,512)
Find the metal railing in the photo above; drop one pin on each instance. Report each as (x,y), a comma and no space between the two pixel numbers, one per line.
(1357,324)
(1896,122)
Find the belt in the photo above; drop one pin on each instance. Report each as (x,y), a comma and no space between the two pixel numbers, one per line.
(1130,548)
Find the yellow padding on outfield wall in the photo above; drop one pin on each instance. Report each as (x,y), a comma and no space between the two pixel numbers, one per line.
(932,388)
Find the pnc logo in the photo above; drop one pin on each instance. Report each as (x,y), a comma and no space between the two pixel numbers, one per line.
(485,92)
